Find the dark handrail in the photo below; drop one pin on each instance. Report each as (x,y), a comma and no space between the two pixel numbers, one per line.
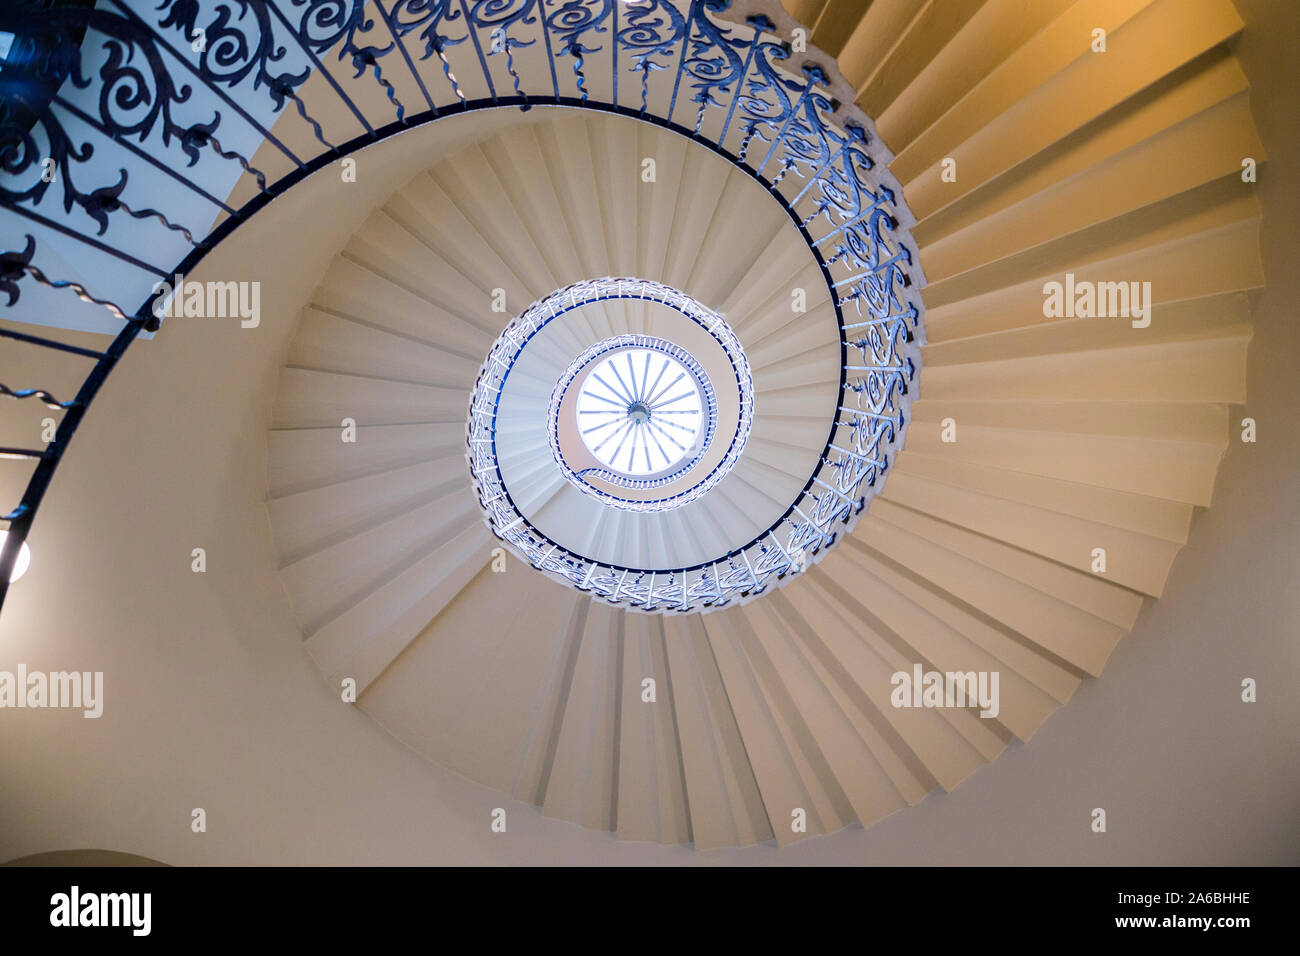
(785,117)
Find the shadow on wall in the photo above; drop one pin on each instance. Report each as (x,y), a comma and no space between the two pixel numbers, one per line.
(84,858)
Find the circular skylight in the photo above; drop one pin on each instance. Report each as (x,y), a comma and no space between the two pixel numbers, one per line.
(638,421)
(641,412)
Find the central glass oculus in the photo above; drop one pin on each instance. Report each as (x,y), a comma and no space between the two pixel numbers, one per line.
(643,421)
(641,411)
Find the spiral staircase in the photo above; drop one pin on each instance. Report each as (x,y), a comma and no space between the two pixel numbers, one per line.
(643,671)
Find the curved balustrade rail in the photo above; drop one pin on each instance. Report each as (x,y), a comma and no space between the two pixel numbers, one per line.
(644,398)
(485,401)
(111,111)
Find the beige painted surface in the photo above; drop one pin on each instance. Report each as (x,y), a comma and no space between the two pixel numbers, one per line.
(211,701)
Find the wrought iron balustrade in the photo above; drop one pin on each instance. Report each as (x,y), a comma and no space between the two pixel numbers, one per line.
(125,128)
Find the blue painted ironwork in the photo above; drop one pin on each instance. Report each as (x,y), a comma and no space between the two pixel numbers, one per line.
(505,351)
(732,88)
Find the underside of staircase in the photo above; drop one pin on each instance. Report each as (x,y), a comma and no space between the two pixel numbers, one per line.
(1041,473)
(976,555)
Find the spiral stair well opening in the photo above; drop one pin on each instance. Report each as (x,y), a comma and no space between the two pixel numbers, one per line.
(615,398)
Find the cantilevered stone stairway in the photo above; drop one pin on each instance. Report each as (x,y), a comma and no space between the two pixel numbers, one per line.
(1010,152)
(977,555)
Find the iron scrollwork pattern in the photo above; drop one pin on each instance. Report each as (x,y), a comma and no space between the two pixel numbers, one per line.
(100,98)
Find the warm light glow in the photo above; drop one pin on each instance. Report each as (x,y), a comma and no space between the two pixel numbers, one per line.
(24,558)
